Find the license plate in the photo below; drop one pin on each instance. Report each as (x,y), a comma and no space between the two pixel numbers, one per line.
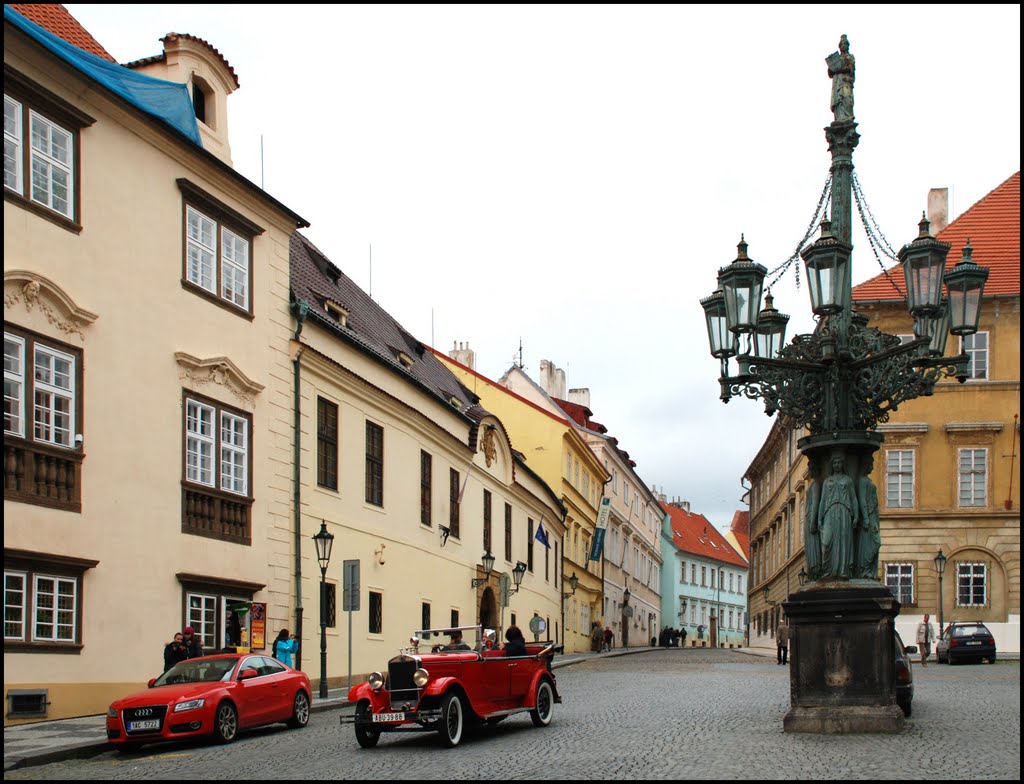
(150,724)
(974,642)
(378,717)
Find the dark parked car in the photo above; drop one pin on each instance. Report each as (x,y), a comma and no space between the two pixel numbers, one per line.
(966,641)
(904,675)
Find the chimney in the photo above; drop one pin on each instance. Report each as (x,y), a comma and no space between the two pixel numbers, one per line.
(938,209)
(463,354)
(580,397)
(552,379)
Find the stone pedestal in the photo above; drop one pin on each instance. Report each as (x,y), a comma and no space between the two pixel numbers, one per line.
(842,658)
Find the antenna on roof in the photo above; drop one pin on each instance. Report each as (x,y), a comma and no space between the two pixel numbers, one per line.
(518,364)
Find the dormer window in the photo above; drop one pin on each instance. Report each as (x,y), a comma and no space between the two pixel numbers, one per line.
(338,313)
(455,403)
(405,359)
(203,102)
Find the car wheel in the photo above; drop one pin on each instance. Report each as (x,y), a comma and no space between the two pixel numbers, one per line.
(225,723)
(541,715)
(992,659)
(906,707)
(300,711)
(366,738)
(452,720)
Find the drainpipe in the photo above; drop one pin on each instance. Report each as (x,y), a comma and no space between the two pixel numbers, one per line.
(301,310)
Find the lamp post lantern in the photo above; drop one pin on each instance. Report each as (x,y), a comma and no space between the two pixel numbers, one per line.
(838,384)
(324,541)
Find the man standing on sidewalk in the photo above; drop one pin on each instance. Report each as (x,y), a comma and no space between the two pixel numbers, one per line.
(925,638)
(782,641)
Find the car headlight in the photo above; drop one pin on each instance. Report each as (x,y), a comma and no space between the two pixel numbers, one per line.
(189,705)
(420,677)
(376,680)
(111,713)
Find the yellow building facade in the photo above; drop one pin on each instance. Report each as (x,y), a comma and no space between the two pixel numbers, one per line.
(560,456)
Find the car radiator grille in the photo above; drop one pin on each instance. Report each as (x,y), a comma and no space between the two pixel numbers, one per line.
(158,712)
(400,683)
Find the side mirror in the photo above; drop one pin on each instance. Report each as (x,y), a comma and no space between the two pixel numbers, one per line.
(910,648)
(244,675)
(150,683)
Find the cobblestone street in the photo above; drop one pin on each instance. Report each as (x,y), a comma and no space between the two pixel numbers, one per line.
(659,715)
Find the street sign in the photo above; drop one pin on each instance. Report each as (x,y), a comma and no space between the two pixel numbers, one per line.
(504,588)
(350,575)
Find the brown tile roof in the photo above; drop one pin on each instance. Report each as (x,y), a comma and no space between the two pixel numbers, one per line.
(993,227)
(59,21)
(692,533)
(740,528)
(371,329)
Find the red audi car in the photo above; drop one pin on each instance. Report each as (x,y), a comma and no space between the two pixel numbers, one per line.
(211,696)
(446,691)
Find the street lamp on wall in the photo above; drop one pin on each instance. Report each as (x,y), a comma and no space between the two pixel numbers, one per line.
(517,575)
(324,541)
(488,563)
(802,577)
(940,567)
(767,600)
(574,582)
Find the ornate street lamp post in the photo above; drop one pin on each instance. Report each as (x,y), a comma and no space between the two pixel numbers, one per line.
(940,567)
(839,383)
(324,540)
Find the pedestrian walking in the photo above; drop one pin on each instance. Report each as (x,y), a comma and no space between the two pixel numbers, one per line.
(609,638)
(782,641)
(285,645)
(596,637)
(191,643)
(174,651)
(925,638)
(682,637)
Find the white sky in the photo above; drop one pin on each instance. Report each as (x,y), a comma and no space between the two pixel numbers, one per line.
(574,176)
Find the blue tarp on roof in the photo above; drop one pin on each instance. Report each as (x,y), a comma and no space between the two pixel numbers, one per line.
(167,101)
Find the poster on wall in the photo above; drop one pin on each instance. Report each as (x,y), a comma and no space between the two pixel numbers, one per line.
(258,626)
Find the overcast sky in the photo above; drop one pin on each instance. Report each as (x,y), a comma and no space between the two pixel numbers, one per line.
(574,176)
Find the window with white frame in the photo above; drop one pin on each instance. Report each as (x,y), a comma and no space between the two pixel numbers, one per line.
(739,583)
(899,478)
(43,599)
(218,250)
(973,477)
(52,385)
(202,617)
(682,571)
(39,166)
(976,347)
(971,584)
(218,459)
(899,578)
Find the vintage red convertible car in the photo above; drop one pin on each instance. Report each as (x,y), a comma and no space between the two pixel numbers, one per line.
(211,696)
(447,691)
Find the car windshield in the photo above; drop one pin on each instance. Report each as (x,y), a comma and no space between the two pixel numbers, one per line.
(969,631)
(198,671)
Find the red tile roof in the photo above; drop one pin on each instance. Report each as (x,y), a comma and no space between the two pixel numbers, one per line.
(993,227)
(56,18)
(740,528)
(692,533)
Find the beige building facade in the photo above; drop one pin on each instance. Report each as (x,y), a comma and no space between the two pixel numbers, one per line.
(146,334)
(415,480)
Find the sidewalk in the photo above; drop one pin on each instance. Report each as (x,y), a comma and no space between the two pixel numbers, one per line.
(51,741)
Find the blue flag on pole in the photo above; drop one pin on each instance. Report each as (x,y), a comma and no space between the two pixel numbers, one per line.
(541,536)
